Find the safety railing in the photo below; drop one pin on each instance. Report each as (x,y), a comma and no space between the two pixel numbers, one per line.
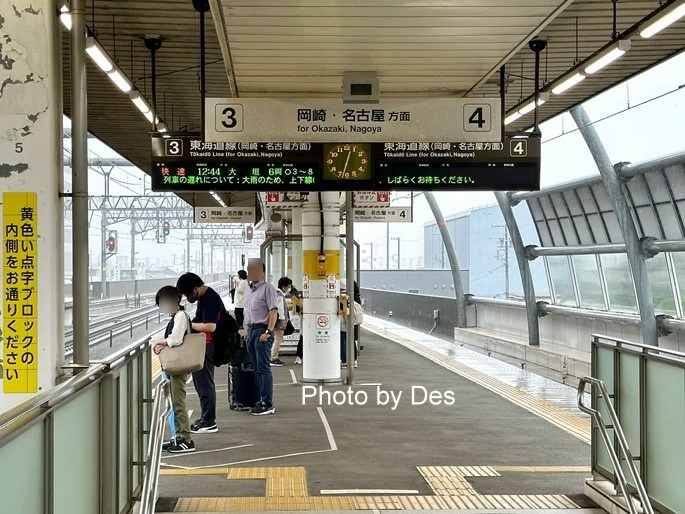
(79,448)
(626,455)
(160,411)
(646,386)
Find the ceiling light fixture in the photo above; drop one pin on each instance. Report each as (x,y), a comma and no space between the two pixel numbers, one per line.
(608,56)
(140,102)
(120,80)
(567,83)
(65,17)
(667,17)
(530,105)
(512,118)
(99,57)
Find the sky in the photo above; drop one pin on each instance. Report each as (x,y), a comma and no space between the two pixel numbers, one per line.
(637,121)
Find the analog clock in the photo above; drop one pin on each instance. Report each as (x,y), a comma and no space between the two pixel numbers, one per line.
(347,161)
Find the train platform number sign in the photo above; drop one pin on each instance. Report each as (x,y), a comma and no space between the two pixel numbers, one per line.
(187,165)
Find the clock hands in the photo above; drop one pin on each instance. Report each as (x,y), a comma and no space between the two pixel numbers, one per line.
(349,153)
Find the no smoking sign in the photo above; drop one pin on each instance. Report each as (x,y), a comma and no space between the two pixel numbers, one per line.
(323,321)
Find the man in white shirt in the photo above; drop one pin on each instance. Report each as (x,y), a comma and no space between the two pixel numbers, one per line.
(239,300)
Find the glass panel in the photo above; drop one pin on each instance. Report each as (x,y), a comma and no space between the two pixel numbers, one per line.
(679,267)
(665,403)
(22,477)
(124,447)
(562,282)
(628,407)
(276,258)
(587,278)
(660,280)
(604,371)
(619,282)
(76,454)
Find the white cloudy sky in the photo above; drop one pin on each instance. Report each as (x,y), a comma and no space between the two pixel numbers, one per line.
(638,120)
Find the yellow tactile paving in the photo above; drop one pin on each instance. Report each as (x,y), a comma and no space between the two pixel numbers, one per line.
(286,489)
(576,426)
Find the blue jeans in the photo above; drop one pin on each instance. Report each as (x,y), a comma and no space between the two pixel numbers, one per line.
(260,355)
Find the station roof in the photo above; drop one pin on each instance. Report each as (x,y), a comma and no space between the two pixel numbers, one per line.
(299,48)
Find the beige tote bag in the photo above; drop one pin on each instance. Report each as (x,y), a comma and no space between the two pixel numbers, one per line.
(187,357)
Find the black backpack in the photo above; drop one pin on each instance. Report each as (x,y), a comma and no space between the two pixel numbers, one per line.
(226,340)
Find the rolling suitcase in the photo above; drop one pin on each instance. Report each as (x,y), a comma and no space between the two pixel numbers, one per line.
(242,387)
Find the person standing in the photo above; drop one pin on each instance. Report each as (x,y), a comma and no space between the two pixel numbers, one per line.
(261,312)
(168,300)
(239,302)
(210,309)
(284,287)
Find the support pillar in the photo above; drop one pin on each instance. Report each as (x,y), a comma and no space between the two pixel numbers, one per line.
(321,271)
(524,268)
(452,257)
(614,188)
(295,268)
(31,182)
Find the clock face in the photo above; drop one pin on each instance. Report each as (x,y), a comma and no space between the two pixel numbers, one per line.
(347,161)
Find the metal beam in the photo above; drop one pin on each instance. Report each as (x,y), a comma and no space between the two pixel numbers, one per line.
(523,266)
(452,257)
(651,247)
(629,170)
(634,249)
(94,162)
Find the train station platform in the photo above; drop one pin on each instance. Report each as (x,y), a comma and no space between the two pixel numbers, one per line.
(462,431)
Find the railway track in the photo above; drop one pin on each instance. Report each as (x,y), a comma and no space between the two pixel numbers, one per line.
(108,329)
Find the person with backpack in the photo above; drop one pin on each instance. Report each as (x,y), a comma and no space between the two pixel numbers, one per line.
(210,310)
(284,287)
(168,300)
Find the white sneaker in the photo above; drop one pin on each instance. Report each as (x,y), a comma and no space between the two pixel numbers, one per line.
(297,360)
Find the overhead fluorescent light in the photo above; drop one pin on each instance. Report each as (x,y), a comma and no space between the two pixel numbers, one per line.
(98,55)
(140,103)
(65,17)
(149,115)
(529,106)
(568,83)
(662,20)
(120,80)
(512,117)
(162,128)
(608,56)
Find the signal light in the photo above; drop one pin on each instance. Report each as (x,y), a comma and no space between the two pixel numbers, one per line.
(249,232)
(112,242)
(166,228)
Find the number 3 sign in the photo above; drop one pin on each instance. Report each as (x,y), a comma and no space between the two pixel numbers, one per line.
(229,117)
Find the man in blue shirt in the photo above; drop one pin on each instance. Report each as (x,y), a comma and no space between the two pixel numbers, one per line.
(261,313)
(210,309)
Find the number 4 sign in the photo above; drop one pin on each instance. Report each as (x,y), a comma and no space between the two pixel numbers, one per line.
(477,118)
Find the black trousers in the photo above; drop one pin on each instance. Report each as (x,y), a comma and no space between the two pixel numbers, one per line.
(204,385)
(298,353)
(239,316)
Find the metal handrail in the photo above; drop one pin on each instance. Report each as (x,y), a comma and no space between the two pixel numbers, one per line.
(154,448)
(622,444)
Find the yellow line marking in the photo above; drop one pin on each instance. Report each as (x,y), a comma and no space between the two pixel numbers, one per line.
(574,425)
(286,489)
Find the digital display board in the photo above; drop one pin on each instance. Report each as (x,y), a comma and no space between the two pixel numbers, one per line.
(188,164)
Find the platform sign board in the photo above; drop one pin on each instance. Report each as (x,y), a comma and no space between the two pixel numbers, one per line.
(383,214)
(329,120)
(224,215)
(371,199)
(188,165)
(20,292)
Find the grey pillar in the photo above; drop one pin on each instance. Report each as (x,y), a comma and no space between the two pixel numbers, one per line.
(79,170)
(524,268)
(452,257)
(349,271)
(612,183)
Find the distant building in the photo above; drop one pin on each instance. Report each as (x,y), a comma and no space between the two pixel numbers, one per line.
(484,251)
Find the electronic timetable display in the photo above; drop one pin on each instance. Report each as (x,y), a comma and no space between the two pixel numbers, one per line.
(187,164)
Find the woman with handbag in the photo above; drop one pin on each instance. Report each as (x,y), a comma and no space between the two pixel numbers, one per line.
(168,300)
(284,286)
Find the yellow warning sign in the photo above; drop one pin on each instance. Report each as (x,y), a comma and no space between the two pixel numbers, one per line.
(20,292)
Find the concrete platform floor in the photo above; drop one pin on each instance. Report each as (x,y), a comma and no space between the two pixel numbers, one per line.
(461,447)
